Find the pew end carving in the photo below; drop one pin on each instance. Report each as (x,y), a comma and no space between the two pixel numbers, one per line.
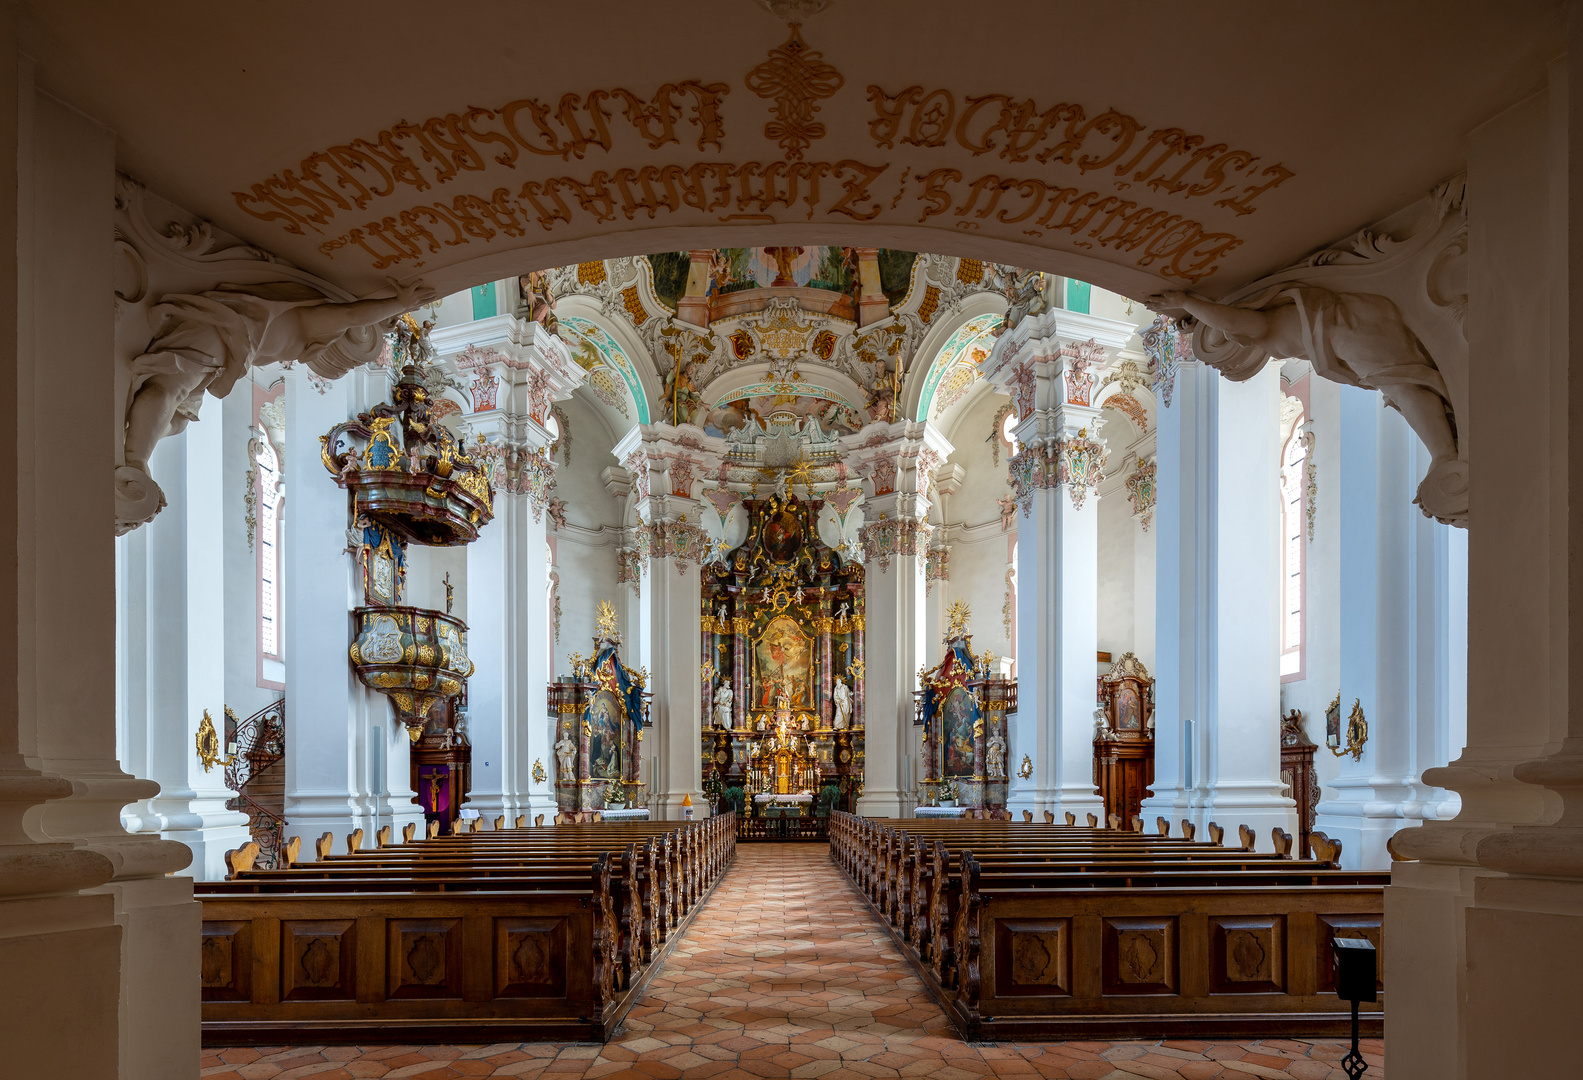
(322,846)
(1071,818)
(1249,838)
(240,859)
(1217,835)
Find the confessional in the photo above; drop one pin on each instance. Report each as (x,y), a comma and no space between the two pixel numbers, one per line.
(1124,739)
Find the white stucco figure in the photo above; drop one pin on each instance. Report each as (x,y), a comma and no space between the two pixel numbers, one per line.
(995,756)
(207,341)
(1359,339)
(723,699)
(566,757)
(843,706)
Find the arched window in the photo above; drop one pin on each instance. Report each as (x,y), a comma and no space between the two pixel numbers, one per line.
(269,537)
(1294,461)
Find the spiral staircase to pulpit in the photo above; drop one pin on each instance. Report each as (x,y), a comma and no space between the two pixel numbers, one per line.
(256,771)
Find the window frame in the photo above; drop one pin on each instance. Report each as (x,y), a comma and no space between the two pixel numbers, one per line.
(1295,508)
(262,397)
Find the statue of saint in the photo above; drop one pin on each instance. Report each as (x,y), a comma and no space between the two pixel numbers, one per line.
(723,699)
(843,706)
(566,757)
(995,757)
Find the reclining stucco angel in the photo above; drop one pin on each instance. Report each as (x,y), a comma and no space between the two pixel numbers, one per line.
(206,342)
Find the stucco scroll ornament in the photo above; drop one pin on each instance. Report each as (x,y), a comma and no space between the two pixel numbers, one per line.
(1383,311)
(207,341)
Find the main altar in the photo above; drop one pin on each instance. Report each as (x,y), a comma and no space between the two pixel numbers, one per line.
(782,671)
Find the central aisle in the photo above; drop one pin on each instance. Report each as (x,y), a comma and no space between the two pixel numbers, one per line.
(785,973)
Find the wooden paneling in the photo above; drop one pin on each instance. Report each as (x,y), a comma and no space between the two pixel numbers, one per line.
(530,957)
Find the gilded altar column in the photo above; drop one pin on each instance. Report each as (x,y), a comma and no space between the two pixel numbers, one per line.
(706,650)
(856,664)
(740,625)
(826,665)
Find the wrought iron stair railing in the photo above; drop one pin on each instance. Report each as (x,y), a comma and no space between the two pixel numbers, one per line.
(255,773)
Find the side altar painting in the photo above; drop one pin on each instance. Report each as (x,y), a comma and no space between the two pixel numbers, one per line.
(600,712)
(963,706)
(781,656)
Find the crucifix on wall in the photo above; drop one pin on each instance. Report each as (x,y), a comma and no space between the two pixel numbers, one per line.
(449,588)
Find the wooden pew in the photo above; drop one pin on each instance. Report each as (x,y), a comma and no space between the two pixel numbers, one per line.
(501,934)
(1026,931)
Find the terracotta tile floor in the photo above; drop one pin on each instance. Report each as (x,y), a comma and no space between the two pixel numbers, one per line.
(785,973)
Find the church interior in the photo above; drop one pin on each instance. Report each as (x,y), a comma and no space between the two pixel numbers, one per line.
(793,552)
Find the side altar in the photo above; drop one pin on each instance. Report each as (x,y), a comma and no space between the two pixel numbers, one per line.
(782,670)
(600,713)
(963,704)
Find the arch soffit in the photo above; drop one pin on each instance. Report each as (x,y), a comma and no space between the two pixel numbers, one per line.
(746,375)
(588,310)
(928,353)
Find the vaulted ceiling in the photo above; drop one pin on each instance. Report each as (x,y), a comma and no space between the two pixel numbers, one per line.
(1135,146)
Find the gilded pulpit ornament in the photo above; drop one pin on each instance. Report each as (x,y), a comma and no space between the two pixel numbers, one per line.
(407,472)
(209,744)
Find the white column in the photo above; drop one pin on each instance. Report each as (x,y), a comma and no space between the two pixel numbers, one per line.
(894,648)
(1382,655)
(667,612)
(1182,544)
(1486,910)
(507,578)
(1057,639)
(671,592)
(1243,748)
(1217,691)
(332,720)
(98,938)
(181,623)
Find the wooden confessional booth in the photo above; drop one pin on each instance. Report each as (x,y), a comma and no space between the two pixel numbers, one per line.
(1124,740)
